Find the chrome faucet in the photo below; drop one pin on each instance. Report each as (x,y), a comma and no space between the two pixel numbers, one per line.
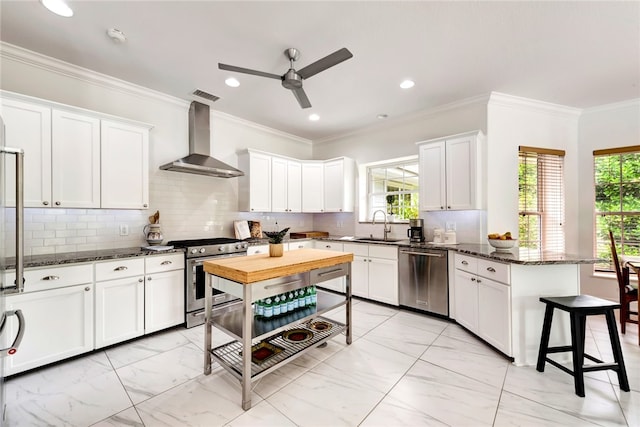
(387,226)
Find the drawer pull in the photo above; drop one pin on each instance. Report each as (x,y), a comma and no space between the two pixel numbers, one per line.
(479,281)
(464,263)
(51,278)
(473,279)
(282,284)
(491,269)
(166,262)
(324,273)
(87,289)
(121,268)
(328,246)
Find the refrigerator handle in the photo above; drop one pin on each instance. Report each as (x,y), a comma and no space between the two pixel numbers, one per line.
(21,326)
(19,153)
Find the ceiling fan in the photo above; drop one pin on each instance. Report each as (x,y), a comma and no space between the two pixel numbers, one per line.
(292,79)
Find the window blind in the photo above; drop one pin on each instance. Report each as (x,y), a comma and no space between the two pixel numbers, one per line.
(541,198)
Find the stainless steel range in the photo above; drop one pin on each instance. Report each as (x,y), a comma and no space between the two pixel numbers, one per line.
(198,251)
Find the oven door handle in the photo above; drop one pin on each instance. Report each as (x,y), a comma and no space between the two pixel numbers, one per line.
(422,254)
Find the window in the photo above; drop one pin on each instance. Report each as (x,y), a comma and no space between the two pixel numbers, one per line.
(617,202)
(541,198)
(393,187)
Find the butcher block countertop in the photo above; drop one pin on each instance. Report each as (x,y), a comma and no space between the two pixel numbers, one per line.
(255,268)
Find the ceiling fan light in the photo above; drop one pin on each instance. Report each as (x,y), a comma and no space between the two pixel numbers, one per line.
(232,82)
(407,84)
(314,117)
(59,7)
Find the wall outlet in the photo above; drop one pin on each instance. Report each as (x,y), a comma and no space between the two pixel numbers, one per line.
(451,226)
(124,230)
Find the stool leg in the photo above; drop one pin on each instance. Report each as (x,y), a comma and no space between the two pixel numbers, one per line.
(577,345)
(617,351)
(544,338)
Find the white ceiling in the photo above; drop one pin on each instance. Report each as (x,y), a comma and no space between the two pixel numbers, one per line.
(579,54)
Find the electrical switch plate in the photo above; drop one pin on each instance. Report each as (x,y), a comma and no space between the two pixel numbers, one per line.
(124,230)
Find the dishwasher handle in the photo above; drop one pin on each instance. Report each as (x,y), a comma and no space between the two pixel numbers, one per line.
(422,254)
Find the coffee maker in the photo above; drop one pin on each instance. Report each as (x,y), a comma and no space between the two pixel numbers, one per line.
(416,232)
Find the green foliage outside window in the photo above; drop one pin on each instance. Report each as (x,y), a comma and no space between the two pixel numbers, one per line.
(617,204)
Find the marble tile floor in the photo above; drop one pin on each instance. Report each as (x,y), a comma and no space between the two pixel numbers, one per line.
(403,369)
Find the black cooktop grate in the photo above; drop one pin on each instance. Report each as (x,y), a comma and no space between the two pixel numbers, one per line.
(203,242)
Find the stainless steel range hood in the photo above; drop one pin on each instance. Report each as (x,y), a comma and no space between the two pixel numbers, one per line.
(199,161)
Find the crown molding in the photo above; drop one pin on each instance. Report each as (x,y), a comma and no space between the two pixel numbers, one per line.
(53,65)
(630,103)
(502,99)
(479,99)
(267,129)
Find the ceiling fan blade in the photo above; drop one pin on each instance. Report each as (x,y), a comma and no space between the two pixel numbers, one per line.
(301,97)
(328,61)
(248,71)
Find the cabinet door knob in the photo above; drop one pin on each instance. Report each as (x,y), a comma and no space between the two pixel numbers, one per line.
(479,281)
(441,207)
(149,278)
(87,289)
(57,203)
(46,203)
(448,207)
(140,280)
(145,205)
(473,279)
(491,269)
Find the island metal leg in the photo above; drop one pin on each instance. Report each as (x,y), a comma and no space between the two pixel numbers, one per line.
(207,323)
(247,321)
(349,314)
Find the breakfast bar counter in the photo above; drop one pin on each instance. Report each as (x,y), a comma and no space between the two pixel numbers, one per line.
(262,344)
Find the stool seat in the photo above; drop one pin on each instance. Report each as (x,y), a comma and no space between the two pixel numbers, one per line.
(579,307)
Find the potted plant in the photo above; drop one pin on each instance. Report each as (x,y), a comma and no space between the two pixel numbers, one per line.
(275,241)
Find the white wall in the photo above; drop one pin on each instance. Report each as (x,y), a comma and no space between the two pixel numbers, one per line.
(511,122)
(609,126)
(190,205)
(394,139)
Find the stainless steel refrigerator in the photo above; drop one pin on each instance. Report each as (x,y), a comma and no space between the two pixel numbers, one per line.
(10,156)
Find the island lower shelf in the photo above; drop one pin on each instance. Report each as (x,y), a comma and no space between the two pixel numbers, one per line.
(229,355)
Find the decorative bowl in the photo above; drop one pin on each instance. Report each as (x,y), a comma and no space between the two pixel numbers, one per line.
(502,245)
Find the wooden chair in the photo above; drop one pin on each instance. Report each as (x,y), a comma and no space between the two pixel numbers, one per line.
(627,293)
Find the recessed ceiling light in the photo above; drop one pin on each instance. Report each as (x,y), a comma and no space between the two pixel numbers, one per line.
(407,84)
(382,116)
(314,117)
(232,82)
(59,7)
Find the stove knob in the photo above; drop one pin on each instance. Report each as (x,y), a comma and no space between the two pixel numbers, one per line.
(194,251)
(238,246)
(221,249)
(202,250)
(245,246)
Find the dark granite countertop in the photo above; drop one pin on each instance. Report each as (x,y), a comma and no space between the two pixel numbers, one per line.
(85,256)
(515,256)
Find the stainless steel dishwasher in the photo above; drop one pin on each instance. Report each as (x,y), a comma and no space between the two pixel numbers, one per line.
(423,280)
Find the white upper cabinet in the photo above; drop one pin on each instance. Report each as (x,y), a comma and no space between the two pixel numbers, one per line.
(339,185)
(76,158)
(451,172)
(28,126)
(254,193)
(125,166)
(75,168)
(313,187)
(286,185)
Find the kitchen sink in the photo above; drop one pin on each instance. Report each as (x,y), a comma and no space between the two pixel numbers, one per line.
(375,239)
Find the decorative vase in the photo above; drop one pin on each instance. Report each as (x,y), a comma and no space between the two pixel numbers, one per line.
(153,234)
(276,249)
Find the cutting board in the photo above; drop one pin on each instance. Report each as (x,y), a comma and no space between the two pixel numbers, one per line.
(308,234)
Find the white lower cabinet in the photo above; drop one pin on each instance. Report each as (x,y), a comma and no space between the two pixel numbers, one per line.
(339,283)
(119,301)
(257,249)
(163,292)
(374,272)
(483,300)
(59,324)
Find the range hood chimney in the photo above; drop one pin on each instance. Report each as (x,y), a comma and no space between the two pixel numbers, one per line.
(199,161)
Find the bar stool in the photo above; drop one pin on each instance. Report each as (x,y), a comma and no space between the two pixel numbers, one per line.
(579,307)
